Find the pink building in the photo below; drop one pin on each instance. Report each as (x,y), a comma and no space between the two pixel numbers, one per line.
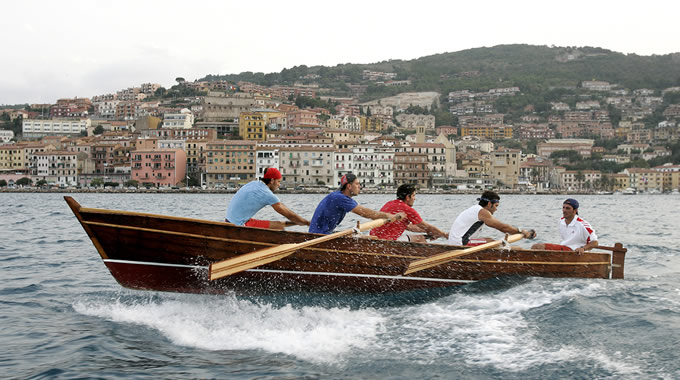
(302,118)
(160,167)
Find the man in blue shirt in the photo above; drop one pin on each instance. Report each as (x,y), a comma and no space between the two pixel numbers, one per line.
(254,196)
(332,209)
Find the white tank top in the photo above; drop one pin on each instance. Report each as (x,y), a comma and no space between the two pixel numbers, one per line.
(466,226)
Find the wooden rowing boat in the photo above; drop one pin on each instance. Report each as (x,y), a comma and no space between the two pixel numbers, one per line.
(174,254)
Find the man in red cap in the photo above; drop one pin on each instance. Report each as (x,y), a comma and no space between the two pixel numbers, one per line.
(254,196)
(577,234)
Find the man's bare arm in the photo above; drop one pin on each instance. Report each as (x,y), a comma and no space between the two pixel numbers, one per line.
(289,214)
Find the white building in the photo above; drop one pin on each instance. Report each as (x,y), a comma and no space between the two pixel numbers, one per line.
(57,167)
(350,123)
(6,136)
(182,120)
(107,109)
(172,144)
(265,157)
(63,127)
(373,165)
(595,85)
(306,165)
(343,163)
(408,121)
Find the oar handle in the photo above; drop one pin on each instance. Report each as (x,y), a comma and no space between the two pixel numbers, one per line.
(371,225)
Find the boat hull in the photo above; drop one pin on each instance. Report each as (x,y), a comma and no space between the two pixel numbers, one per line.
(163,253)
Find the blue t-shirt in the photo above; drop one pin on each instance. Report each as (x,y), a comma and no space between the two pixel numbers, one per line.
(248,200)
(330,212)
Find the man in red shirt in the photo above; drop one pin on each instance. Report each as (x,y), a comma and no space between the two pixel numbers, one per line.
(406,196)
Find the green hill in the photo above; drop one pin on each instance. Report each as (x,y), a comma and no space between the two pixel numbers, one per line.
(535,69)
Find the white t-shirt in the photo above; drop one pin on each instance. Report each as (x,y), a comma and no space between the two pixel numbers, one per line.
(466,226)
(577,233)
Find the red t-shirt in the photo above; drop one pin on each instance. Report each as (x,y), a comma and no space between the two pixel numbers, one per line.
(392,231)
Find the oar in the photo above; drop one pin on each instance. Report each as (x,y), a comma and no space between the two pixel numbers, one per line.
(268,255)
(445,257)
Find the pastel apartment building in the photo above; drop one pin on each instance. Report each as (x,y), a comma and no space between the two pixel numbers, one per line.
(183,120)
(59,127)
(302,118)
(229,162)
(306,165)
(57,167)
(252,126)
(161,167)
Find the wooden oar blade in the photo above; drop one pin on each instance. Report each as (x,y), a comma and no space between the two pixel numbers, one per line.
(445,257)
(250,260)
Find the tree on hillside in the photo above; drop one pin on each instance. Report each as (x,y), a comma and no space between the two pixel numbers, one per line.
(572,155)
(98,130)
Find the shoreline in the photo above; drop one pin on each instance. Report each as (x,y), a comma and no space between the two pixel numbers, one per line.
(233,191)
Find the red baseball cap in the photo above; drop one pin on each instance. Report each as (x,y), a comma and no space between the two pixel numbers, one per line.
(272,173)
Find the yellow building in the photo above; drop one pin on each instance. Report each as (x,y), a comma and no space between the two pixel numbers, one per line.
(671,176)
(371,124)
(491,132)
(619,181)
(252,126)
(11,158)
(196,155)
(20,156)
(342,135)
(505,166)
(645,179)
(229,162)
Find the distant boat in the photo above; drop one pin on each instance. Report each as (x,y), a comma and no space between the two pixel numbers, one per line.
(629,191)
(605,192)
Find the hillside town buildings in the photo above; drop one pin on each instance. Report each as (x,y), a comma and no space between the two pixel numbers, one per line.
(230,135)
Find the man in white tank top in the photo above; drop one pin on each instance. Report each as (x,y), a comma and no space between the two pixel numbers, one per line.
(467,226)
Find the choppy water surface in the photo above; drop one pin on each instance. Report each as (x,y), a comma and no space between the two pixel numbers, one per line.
(64,316)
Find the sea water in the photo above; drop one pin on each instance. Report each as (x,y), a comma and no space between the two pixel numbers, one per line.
(64,316)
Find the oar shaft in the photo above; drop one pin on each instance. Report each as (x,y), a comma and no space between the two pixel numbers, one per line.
(268,255)
(445,257)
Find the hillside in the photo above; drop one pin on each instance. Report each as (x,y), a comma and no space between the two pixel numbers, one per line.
(535,69)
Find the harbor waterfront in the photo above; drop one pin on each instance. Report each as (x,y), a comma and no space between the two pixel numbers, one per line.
(64,316)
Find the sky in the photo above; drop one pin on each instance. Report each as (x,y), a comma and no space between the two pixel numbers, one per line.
(69,48)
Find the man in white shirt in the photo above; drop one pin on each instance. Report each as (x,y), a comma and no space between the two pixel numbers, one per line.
(577,234)
(468,225)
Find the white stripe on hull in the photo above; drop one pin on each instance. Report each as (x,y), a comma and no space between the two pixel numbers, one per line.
(295,272)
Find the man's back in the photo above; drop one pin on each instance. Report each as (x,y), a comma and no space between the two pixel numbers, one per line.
(392,231)
(330,212)
(250,199)
(466,224)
